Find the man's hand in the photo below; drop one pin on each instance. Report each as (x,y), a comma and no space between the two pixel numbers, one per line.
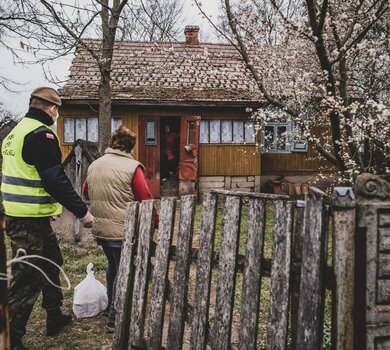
(87,220)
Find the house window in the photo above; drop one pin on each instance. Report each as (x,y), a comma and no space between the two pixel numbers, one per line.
(238,131)
(81,128)
(227,131)
(204,131)
(191,133)
(277,137)
(150,133)
(249,131)
(215,131)
(85,128)
(302,144)
(115,123)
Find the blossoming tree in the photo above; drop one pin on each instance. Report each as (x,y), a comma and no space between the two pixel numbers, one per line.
(328,74)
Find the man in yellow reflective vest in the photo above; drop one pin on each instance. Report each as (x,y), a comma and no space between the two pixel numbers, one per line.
(34,187)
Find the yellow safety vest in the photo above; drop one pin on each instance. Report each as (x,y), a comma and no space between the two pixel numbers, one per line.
(21,186)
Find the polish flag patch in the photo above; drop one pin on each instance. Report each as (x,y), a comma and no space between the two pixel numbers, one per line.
(49,136)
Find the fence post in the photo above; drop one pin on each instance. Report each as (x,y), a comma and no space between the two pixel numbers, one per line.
(372,324)
(344,215)
(296,259)
(310,308)
(4,321)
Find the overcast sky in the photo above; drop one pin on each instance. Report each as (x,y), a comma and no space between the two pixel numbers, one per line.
(31,76)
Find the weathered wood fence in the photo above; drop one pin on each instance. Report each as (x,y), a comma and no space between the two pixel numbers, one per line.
(297,269)
(206,289)
(203,292)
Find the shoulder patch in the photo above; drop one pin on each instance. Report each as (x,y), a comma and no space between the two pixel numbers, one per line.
(49,136)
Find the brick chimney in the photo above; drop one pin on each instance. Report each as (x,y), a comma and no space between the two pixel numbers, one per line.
(192,35)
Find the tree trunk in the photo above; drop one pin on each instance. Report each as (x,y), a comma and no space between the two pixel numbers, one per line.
(105,75)
(104,110)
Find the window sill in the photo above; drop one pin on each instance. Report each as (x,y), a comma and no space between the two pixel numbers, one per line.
(276,152)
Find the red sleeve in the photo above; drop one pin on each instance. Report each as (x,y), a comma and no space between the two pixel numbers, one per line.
(141,190)
(84,190)
(140,187)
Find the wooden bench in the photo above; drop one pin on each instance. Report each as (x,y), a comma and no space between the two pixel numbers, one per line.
(144,289)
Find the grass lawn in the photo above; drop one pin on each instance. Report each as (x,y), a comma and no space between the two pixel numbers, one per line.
(90,333)
(87,333)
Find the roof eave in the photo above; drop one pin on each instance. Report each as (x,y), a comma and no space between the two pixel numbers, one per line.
(168,103)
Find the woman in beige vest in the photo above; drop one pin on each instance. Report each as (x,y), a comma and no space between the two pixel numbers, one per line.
(112,181)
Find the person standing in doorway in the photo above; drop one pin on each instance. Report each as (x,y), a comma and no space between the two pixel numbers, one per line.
(169,158)
(34,188)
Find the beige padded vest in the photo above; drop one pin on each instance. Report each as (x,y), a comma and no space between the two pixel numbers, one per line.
(110,189)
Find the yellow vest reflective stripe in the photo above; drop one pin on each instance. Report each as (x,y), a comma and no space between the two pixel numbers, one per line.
(21,187)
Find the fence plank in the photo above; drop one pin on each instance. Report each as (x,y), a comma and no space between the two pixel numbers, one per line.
(125,278)
(310,299)
(280,276)
(227,273)
(180,287)
(252,275)
(203,273)
(160,272)
(146,228)
(296,262)
(344,213)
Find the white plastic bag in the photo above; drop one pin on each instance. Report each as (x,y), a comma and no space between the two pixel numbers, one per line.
(90,296)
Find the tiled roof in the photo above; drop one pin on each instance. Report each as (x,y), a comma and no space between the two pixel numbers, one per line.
(175,72)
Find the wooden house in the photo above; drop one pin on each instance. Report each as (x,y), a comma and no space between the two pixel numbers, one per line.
(202,91)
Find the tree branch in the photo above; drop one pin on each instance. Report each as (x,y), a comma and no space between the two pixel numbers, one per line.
(51,9)
(244,53)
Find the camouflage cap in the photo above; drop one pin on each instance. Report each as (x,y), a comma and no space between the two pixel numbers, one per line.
(47,94)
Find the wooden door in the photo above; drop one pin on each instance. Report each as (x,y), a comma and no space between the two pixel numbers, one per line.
(189,147)
(149,151)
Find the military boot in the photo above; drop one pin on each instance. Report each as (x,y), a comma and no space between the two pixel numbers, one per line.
(56,320)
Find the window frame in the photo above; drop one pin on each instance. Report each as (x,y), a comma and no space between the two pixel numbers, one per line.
(151,143)
(73,118)
(221,121)
(291,146)
(112,120)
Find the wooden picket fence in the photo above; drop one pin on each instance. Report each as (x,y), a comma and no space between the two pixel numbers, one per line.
(177,292)
(297,271)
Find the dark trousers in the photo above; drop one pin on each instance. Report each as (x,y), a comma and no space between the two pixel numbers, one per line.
(168,166)
(113,257)
(36,237)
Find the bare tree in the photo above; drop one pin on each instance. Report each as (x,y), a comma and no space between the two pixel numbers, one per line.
(153,20)
(53,29)
(6,115)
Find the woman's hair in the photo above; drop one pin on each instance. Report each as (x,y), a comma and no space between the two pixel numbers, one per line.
(123,139)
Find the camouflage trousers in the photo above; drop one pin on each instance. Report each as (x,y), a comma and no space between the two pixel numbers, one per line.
(36,236)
